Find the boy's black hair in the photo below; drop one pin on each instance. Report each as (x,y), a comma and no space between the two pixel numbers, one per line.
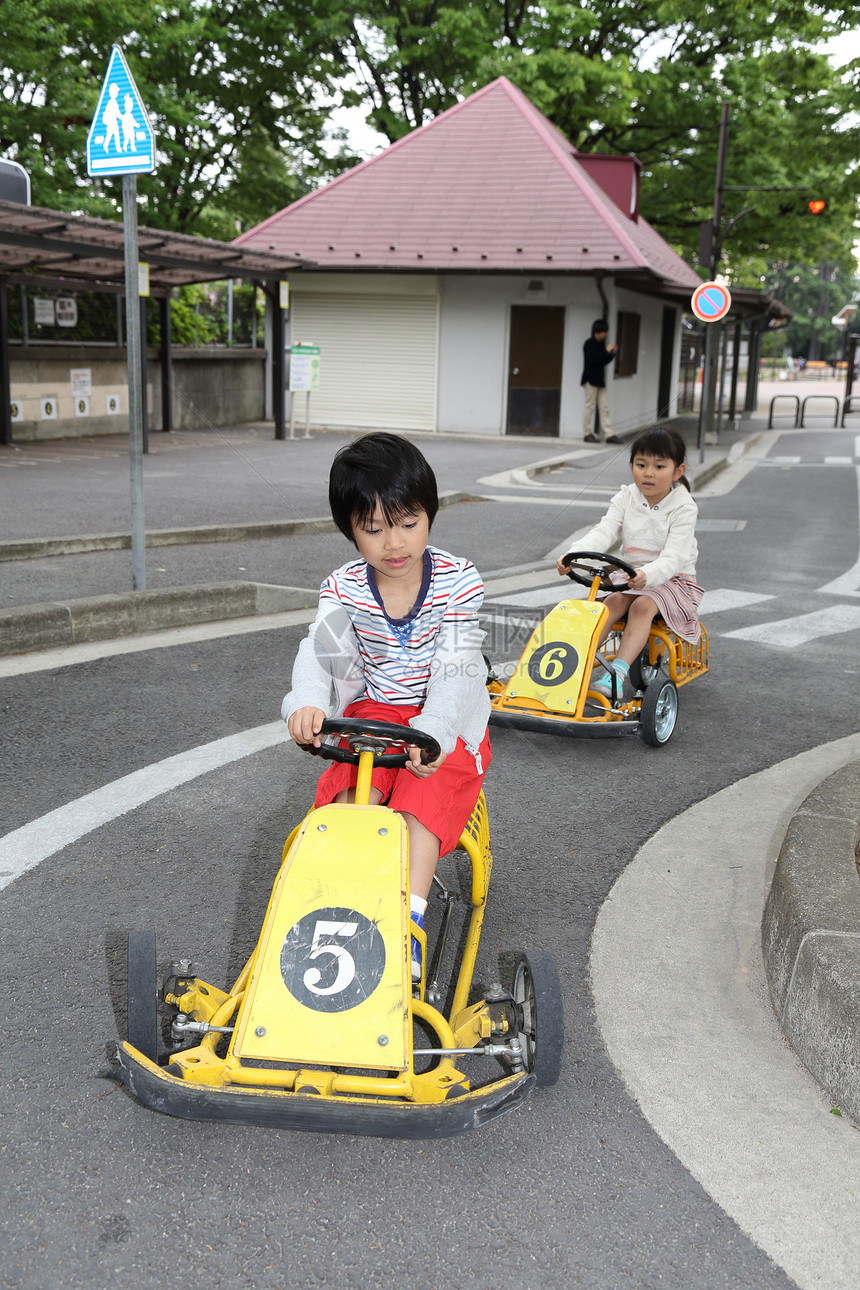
(382,470)
(600,325)
(661,441)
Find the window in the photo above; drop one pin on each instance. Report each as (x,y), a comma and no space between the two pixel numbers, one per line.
(627,361)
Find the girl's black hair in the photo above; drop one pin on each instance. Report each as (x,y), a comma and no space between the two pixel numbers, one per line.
(382,470)
(661,441)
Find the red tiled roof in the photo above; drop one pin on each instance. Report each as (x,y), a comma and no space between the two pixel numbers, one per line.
(489,185)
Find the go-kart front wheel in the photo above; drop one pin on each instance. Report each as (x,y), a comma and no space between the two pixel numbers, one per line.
(659,712)
(143,994)
(537,992)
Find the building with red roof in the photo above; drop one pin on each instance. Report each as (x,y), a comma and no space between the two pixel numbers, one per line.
(451,280)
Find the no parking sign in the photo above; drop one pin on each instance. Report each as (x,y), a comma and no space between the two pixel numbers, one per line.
(711,301)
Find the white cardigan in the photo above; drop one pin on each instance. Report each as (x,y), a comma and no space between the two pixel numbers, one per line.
(660,540)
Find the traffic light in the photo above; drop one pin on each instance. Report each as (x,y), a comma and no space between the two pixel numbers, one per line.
(816,206)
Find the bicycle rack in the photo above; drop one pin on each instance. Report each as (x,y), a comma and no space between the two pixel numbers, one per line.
(795,397)
(829,397)
(848,410)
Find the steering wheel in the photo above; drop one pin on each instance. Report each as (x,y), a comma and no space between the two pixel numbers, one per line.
(586,573)
(374,736)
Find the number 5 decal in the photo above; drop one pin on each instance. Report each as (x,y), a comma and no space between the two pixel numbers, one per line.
(345,961)
(332,959)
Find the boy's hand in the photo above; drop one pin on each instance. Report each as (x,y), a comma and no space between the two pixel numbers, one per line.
(638,583)
(304,726)
(562,568)
(416,765)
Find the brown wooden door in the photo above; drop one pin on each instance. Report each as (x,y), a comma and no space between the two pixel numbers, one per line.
(534,369)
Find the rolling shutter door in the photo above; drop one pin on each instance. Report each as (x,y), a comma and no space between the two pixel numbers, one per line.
(378,359)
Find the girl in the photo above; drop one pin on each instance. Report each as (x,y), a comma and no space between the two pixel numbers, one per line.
(396,638)
(654,521)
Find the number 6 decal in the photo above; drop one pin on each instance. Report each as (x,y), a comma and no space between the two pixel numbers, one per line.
(332,959)
(553,663)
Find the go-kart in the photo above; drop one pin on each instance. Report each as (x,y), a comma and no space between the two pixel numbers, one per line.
(549,689)
(324,1028)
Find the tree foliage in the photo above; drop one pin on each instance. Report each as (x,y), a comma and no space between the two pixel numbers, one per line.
(815,295)
(237,93)
(240,95)
(648,77)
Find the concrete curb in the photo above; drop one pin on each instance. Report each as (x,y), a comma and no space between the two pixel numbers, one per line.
(811,936)
(83,543)
(98,618)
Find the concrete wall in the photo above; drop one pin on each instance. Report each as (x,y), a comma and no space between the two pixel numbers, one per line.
(210,387)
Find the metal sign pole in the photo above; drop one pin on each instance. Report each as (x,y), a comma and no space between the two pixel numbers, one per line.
(135,401)
(121,141)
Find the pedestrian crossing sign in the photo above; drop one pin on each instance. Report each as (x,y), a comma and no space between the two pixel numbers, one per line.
(121,141)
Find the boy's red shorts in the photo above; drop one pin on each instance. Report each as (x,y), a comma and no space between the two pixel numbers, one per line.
(443,802)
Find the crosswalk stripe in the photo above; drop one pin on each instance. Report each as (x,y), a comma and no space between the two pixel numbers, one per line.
(714,602)
(790,632)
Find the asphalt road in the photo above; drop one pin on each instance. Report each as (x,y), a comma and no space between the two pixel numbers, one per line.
(574,1189)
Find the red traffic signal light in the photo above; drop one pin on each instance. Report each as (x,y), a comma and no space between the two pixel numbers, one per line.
(816,206)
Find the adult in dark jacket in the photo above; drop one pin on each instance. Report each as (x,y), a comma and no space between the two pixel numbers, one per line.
(596,356)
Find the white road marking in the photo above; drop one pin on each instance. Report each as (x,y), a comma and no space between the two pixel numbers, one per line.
(678,941)
(531,500)
(788,633)
(848,583)
(70,655)
(722,598)
(713,602)
(839,461)
(28,846)
(520,474)
(536,599)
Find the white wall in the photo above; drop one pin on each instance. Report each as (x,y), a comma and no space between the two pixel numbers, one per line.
(474,328)
(473,351)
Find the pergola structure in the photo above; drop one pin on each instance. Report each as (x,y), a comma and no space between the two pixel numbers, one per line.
(40,247)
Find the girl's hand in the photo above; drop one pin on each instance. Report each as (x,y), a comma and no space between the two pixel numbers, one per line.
(638,583)
(562,568)
(416,765)
(304,726)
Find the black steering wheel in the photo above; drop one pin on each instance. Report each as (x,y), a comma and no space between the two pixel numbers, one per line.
(374,736)
(586,573)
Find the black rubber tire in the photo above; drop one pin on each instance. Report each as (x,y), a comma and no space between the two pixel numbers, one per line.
(644,673)
(142,994)
(536,986)
(658,715)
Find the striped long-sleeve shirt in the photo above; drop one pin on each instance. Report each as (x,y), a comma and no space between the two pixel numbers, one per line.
(431,658)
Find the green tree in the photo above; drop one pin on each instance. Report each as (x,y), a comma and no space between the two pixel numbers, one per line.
(237,93)
(648,77)
(814,295)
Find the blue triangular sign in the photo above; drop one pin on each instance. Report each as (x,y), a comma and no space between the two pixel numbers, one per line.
(121,141)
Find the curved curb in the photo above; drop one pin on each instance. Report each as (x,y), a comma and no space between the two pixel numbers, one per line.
(811,936)
(98,618)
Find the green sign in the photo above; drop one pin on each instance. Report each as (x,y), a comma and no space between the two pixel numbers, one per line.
(304,367)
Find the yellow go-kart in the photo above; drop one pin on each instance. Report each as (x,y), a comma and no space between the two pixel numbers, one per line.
(548,691)
(324,1028)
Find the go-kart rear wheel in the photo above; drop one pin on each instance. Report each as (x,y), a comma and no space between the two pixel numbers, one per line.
(659,712)
(643,672)
(537,993)
(143,994)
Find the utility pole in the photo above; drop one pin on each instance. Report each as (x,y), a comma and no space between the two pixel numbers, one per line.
(712,346)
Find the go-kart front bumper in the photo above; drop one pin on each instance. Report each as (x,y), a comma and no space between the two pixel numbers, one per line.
(562,725)
(162,1091)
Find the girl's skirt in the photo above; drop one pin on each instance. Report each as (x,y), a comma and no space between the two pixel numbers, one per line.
(678,603)
(442,802)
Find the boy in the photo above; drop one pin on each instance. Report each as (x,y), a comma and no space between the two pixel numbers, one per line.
(396,638)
